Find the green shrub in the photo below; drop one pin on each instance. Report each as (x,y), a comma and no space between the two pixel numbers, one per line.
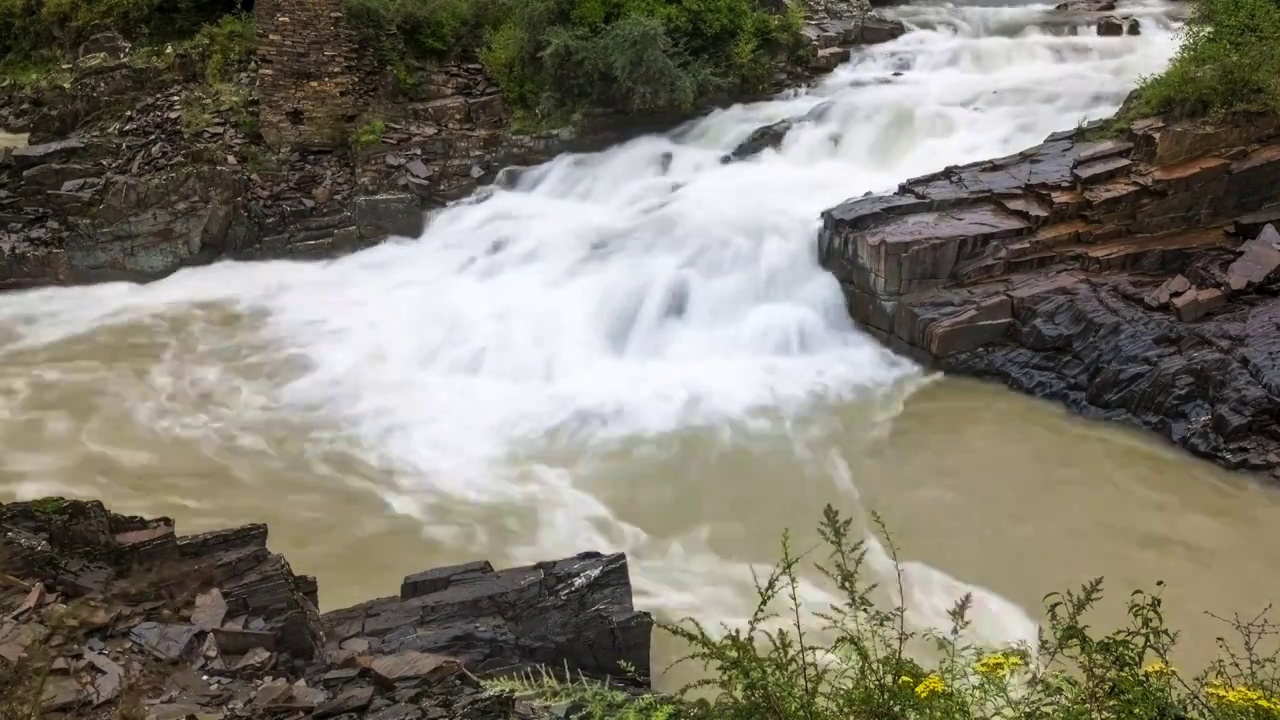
(1229,60)
(225,46)
(368,135)
(865,672)
(552,56)
(42,32)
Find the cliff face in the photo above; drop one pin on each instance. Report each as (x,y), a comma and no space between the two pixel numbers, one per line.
(140,167)
(121,612)
(1132,278)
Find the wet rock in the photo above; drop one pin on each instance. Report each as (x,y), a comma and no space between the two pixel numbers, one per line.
(1094,273)
(1110,26)
(760,139)
(389,214)
(166,642)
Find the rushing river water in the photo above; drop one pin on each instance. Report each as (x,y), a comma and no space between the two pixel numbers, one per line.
(636,350)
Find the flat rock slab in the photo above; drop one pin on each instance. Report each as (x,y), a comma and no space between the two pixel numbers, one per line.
(410,665)
(166,642)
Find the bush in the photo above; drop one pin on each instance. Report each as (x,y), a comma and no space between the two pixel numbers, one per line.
(42,31)
(1229,60)
(864,670)
(225,46)
(555,55)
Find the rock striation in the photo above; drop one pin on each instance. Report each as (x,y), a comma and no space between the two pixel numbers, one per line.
(1132,278)
(124,614)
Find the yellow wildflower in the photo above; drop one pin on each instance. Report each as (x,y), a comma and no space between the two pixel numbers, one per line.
(930,686)
(998,665)
(906,680)
(1240,697)
(1158,667)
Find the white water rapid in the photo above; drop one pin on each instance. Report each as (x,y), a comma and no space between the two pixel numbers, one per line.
(499,378)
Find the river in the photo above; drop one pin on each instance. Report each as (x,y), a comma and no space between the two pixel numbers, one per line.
(636,350)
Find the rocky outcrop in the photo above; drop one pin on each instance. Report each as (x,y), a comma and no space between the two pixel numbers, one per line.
(121,610)
(1131,278)
(182,176)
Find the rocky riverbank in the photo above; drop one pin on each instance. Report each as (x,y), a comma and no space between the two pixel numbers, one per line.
(103,615)
(1133,278)
(138,166)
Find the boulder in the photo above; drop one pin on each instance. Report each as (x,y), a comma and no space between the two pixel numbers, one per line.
(760,139)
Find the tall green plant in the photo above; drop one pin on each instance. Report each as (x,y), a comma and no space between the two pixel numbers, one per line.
(1229,60)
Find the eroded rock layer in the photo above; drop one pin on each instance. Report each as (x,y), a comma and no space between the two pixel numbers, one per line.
(1131,278)
(121,615)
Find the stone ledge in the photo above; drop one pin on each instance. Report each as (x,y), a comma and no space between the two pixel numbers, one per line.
(1054,270)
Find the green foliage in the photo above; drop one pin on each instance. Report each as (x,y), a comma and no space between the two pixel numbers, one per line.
(1229,60)
(553,55)
(34,31)
(225,47)
(367,136)
(599,700)
(866,671)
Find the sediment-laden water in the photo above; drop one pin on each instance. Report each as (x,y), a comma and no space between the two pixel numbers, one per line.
(636,350)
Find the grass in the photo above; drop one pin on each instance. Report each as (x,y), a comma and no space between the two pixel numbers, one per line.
(860,668)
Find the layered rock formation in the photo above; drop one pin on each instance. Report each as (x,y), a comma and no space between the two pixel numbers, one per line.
(139,169)
(123,614)
(1130,278)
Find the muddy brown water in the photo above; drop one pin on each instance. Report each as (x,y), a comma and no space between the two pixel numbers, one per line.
(1001,491)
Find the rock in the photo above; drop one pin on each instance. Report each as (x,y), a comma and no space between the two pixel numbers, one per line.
(389,214)
(59,693)
(1251,225)
(410,665)
(16,637)
(1257,262)
(1025,269)
(108,44)
(166,642)
(1110,26)
(107,685)
(769,136)
(351,700)
(32,155)
(210,610)
(1168,289)
(539,614)
(256,660)
(1195,304)
(306,698)
(239,642)
(399,711)
(272,693)
(417,169)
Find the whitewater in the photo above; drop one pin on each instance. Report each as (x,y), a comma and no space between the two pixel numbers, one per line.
(494,369)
